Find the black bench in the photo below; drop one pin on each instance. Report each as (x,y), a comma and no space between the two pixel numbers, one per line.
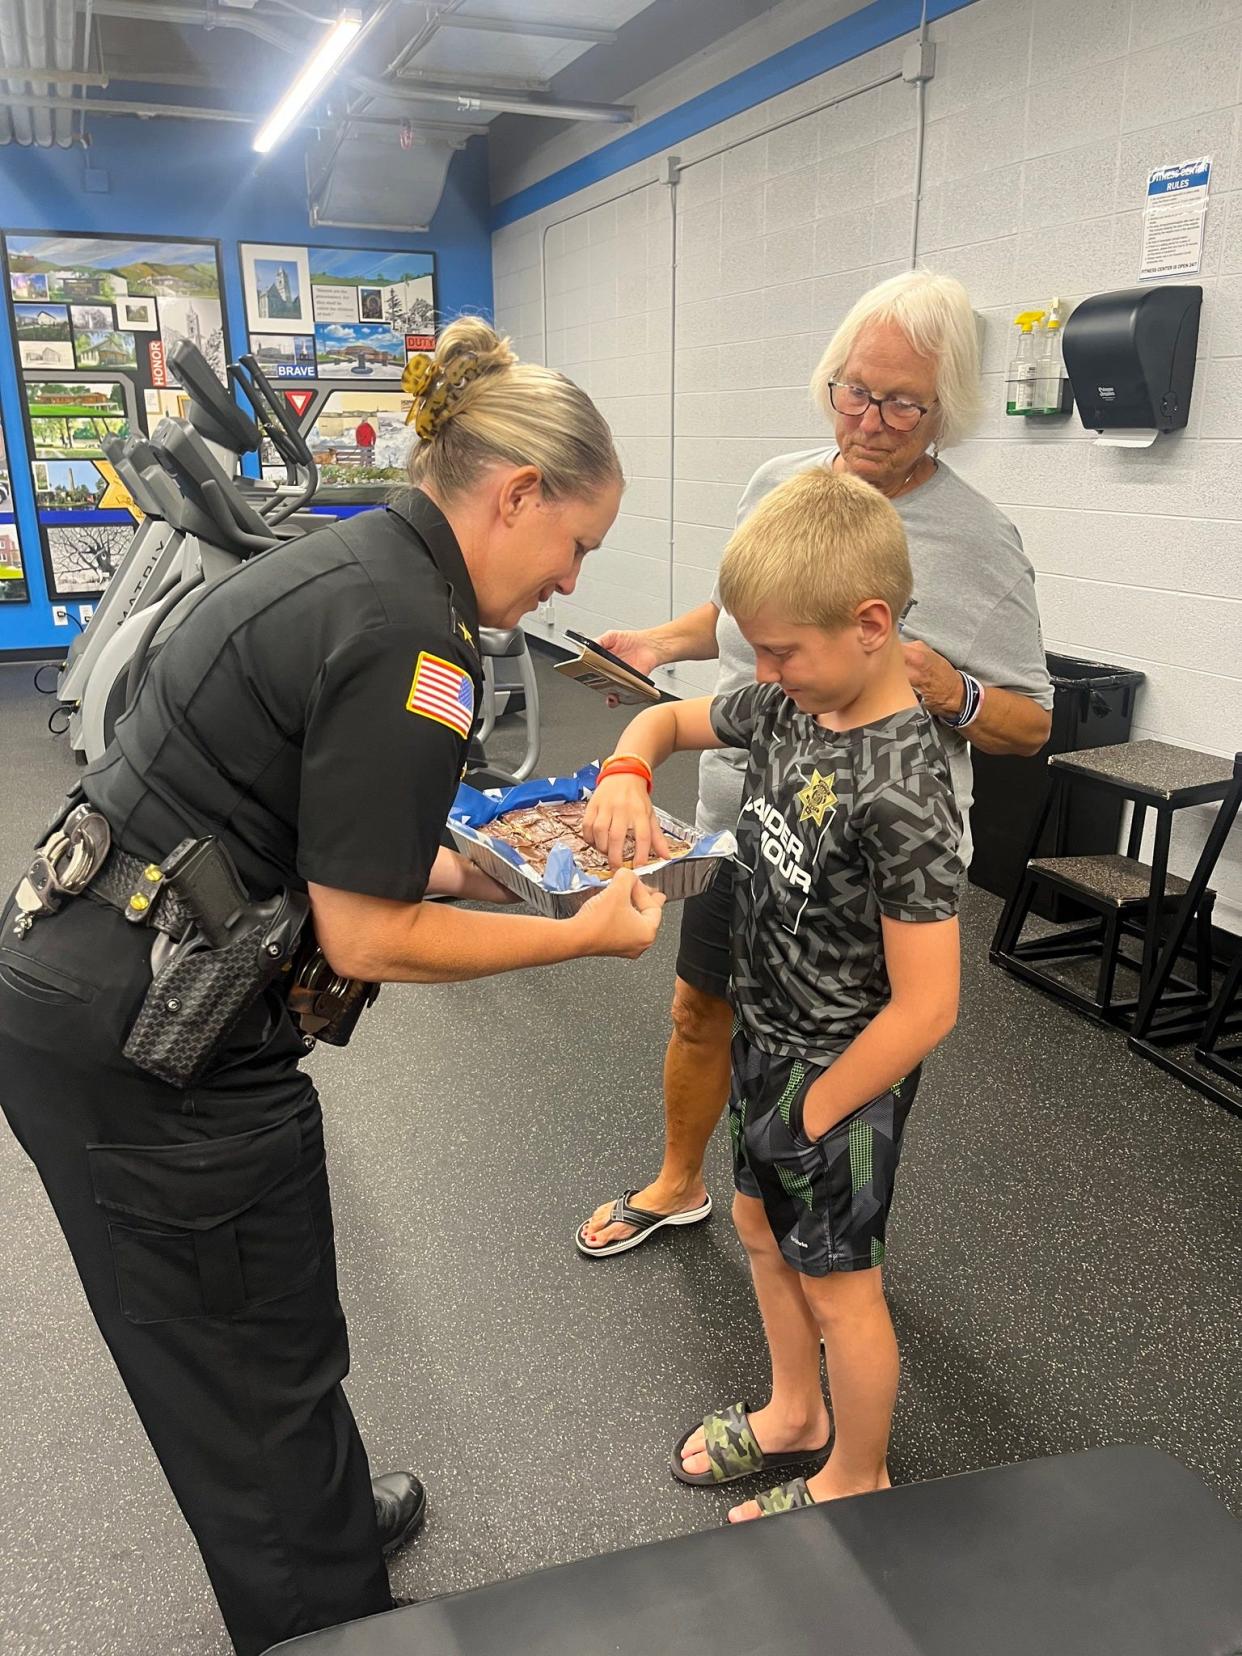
(1112,1552)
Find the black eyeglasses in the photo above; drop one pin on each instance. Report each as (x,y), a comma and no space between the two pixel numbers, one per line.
(898,413)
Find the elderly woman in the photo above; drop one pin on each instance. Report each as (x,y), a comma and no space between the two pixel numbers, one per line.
(899,381)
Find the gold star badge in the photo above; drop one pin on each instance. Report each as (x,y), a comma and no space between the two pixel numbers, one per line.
(817,799)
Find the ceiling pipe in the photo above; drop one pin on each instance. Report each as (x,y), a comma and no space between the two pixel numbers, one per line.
(91,77)
(64,22)
(184,112)
(464,80)
(496,100)
(88,57)
(12,56)
(542,29)
(35,21)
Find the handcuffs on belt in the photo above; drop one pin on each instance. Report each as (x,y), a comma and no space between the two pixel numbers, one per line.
(326,1005)
(63,866)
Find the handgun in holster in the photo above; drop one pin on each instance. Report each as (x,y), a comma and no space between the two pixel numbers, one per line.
(202,983)
(325,1005)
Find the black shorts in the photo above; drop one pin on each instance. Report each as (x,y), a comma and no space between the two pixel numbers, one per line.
(826,1199)
(706,927)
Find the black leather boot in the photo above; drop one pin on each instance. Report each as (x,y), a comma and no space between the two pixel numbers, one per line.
(400,1507)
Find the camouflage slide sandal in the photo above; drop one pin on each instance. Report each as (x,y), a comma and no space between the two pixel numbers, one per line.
(644,1221)
(786,1497)
(733,1450)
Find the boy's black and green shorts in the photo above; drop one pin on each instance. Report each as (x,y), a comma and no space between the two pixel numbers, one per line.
(826,1199)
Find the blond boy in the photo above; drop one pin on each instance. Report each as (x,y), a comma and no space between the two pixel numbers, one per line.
(844,960)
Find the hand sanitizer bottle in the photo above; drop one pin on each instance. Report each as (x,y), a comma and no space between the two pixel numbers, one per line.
(1019,381)
(1047,386)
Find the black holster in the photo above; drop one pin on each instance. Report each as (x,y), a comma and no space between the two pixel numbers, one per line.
(198,992)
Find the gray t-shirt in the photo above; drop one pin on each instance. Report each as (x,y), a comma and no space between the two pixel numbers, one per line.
(974,592)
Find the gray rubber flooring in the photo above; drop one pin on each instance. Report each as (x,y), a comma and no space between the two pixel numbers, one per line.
(1065,1270)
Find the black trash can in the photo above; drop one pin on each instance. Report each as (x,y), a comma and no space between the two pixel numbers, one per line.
(1093,706)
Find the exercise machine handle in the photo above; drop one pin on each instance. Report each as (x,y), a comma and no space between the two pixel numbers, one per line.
(279,425)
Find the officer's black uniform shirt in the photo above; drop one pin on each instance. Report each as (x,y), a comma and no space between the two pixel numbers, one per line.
(281,713)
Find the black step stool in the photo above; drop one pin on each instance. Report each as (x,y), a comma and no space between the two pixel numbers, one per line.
(1217,1049)
(1130,898)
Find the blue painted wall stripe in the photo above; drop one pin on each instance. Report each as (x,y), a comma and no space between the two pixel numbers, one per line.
(875,25)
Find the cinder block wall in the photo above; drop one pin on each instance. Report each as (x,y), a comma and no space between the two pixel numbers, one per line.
(1043,120)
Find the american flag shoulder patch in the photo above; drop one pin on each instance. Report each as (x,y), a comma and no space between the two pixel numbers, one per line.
(441,691)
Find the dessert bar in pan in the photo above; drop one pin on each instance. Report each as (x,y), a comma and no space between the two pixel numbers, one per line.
(529,838)
(534,830)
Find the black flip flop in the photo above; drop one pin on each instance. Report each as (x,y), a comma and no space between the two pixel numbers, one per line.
(733,1450)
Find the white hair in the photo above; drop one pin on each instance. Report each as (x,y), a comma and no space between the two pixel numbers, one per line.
(934,314)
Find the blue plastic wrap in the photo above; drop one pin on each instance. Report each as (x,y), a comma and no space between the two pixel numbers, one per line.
(475,810)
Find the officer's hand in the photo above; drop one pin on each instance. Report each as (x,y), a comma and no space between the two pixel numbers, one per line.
(619,807)
(623,920)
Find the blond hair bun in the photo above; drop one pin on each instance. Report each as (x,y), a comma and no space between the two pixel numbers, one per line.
(475,404)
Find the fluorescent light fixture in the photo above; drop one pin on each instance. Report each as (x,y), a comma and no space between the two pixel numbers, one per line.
(330,51)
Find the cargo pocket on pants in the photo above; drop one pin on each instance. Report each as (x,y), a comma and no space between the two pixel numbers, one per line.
(206,1229)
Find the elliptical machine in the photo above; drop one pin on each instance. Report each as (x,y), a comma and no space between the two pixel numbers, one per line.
(211,525)
(142,571)
(206,522)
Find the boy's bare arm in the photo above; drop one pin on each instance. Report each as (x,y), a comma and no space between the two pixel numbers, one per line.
(621,804)
(923,961)
(673,727)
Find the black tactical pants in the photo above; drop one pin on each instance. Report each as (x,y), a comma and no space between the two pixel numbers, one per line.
(201,1227)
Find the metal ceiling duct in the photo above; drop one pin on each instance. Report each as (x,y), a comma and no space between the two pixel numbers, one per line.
(64,22)
(19,122)
(35,18)
(34,35)
(357,183)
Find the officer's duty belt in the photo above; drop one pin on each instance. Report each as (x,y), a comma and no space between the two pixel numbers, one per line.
(135,887)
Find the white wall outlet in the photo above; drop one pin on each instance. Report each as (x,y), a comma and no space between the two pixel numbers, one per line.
(60,615)
(85,611)
(547,612)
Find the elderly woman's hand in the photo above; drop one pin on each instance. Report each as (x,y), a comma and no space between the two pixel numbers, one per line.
(936,681)
(619,807)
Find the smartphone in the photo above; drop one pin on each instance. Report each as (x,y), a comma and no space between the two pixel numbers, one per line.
(591,644)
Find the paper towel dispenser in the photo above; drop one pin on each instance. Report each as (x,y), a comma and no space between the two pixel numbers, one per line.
(1130,357)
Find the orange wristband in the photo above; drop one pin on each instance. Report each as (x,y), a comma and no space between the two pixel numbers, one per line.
(634,758)
(623,767)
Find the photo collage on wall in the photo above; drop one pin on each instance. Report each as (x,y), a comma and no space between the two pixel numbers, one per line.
(94,320)
(13,589)
(334,328)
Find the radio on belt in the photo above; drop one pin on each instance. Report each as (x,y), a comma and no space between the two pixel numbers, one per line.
(1130,357)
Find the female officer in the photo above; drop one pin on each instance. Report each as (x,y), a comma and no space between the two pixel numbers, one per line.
(313,713)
